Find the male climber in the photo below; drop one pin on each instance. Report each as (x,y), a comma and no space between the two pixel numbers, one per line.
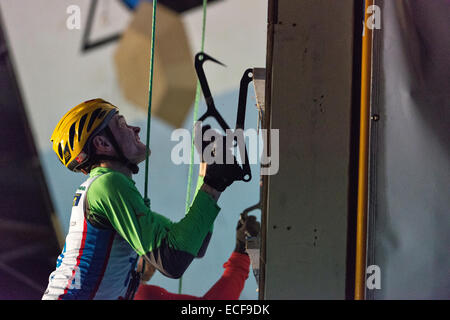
(110,225)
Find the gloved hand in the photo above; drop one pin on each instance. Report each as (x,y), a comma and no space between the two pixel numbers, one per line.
(218,175)
(221,176)
(247,226)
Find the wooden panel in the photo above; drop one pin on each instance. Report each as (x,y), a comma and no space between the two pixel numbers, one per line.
(310,102)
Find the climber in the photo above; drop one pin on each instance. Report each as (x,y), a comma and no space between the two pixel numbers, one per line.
(110,225)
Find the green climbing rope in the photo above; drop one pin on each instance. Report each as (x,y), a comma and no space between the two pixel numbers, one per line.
(150,88)
(196,103)
(197,99)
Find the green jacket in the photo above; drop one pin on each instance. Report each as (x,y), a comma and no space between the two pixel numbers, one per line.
(115,202)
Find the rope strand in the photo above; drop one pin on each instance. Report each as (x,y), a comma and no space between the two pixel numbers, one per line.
(149,113)
(196,103)
(197,100)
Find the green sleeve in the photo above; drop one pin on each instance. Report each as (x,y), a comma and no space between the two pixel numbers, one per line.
(197,189)
(115,196)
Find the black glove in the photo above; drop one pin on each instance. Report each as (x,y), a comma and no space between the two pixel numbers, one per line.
(246,227)
(218,175)
(221,176)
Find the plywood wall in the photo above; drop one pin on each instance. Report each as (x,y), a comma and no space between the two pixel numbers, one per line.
(309,99)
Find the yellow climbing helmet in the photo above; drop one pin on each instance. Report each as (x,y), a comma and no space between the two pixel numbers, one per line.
(74,131)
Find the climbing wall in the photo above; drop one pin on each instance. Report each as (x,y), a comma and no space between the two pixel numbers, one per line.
(66,66)
(309,100)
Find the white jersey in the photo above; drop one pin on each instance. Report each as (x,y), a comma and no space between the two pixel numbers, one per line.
(95,263)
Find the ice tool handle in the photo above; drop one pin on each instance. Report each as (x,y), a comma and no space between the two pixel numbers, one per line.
(211,110)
